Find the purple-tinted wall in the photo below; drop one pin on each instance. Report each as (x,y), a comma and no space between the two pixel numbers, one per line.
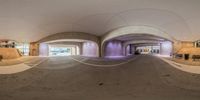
(114,48)
(166,48)
(133,49)
(128,50)
(43,49)
(90,49)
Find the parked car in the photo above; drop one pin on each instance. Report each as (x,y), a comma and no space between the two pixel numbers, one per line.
(137,52)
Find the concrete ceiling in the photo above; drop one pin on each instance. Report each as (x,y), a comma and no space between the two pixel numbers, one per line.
(67,40)
(31,20)
(139,37)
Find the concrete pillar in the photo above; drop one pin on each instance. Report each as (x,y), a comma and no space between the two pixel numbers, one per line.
(43,49)
(100,50)
(81,49)
(166,48)
(75,50)
(133,49)
(124,52)
(128,50)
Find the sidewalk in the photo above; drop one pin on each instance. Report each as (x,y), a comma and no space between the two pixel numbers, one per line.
(183,67)
(11,69)
(20,64)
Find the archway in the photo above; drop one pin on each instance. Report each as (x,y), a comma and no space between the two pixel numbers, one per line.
(123,36)
(79,44)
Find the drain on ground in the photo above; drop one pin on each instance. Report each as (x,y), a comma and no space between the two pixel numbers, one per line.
(100,84)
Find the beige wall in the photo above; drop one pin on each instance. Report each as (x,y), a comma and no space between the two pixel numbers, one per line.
(34,49)
(178,46)
(9,53)
(187,45)
(186,48)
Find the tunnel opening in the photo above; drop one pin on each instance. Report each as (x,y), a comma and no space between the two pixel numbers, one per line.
(134,44)
(68,47)
(63,50)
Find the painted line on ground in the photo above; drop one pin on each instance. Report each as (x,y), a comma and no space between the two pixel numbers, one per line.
(40,62)
(97,65)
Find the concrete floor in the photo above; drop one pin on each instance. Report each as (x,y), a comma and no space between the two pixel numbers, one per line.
(62,78)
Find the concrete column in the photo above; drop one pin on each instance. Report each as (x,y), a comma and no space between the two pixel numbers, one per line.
(133,49)
(43,49)
(166,48)
(75,50)
(128,50)
(124,52)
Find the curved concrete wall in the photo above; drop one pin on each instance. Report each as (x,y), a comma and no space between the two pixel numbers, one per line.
(133,30)
(140,42)
(136,30)
(126,44)
(90,49)
(71,35)
(104,47)
(76,36)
